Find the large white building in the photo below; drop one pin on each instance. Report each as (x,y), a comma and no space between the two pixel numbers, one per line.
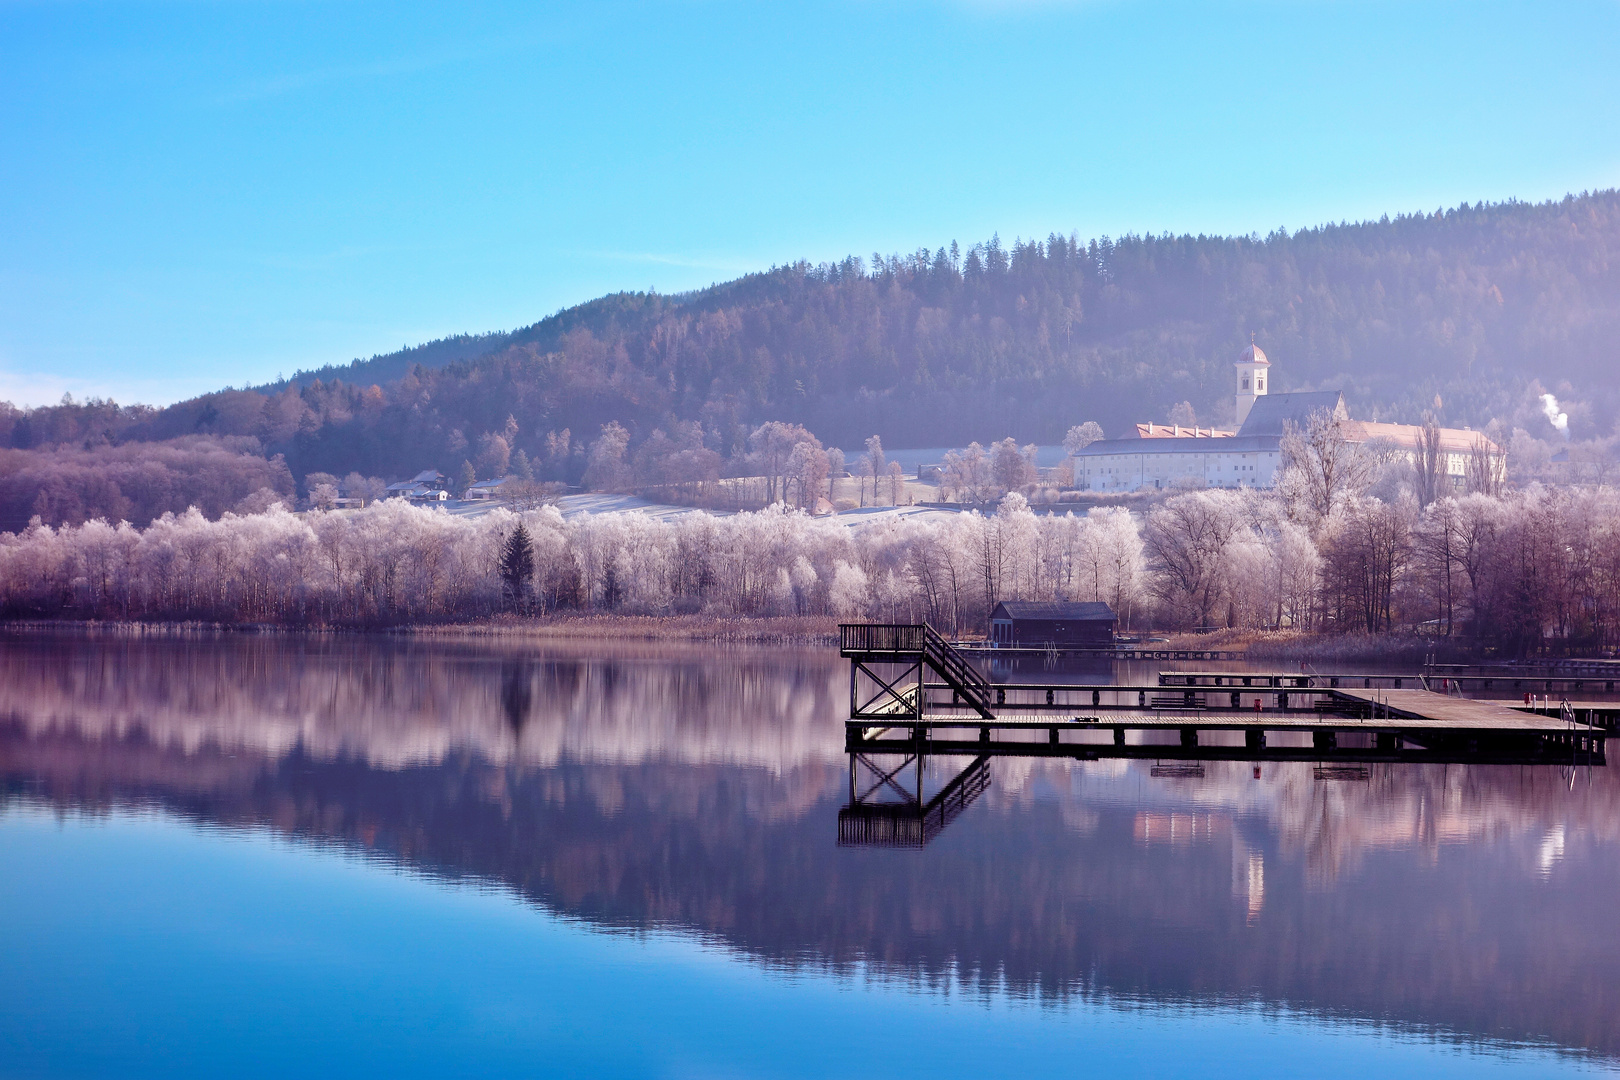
(1161,456)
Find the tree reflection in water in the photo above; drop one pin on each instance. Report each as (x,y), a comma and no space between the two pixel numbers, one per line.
(699,789)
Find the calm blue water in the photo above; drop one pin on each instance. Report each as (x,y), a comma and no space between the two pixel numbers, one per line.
(268,858)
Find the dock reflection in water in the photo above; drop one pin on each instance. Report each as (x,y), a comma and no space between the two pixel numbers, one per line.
(696,790)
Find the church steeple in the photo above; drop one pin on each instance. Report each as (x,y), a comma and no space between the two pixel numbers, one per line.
(1252,378)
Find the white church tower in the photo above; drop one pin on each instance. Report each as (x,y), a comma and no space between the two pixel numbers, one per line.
(1251,379)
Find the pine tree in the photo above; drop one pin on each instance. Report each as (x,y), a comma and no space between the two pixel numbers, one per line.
(469,476)
(521,467)
(516,567)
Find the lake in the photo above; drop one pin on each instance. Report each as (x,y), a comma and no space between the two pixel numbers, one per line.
(274,855)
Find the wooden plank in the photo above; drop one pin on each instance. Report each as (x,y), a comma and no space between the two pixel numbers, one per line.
(1434,710)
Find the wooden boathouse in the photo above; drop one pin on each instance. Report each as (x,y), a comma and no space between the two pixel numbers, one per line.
(1025,624)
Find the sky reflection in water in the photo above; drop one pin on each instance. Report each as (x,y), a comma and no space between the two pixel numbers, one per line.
(261,856)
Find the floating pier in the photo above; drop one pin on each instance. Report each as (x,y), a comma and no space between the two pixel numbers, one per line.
(913,695)
(911,692)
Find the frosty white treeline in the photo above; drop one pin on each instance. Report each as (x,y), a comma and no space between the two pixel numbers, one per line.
(395,562)
(1522,569)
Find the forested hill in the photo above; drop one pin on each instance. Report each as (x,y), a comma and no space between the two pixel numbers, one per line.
(1479,305)
(386,367)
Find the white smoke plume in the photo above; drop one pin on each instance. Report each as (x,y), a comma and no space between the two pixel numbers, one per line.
(1559,420)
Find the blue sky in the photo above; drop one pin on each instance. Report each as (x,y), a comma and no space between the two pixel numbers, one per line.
(198,194)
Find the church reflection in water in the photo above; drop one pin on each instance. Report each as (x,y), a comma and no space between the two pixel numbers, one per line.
(697,790)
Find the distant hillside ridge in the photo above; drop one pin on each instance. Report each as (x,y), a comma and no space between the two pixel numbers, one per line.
(386,367)
(1472,312)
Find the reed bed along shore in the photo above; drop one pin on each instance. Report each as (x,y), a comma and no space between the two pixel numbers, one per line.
(779,629)
(1293,647)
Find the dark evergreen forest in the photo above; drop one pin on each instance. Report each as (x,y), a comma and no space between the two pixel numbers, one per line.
(1482,306)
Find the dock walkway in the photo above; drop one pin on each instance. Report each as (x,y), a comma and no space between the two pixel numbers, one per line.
(953,712)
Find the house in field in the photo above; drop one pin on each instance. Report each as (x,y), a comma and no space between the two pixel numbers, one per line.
(411,491)
(1029,623)
(485,490)
(432,478)
(427,486)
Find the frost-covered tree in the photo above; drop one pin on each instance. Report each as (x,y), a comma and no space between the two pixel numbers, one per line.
(1081,436)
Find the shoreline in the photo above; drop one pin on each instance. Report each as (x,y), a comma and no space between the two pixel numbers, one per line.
(796,630)
(773,630)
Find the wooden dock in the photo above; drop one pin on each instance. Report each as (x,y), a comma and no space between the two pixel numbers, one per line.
(913,696)
(1186,715)
(1568,681)
(1441,711)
